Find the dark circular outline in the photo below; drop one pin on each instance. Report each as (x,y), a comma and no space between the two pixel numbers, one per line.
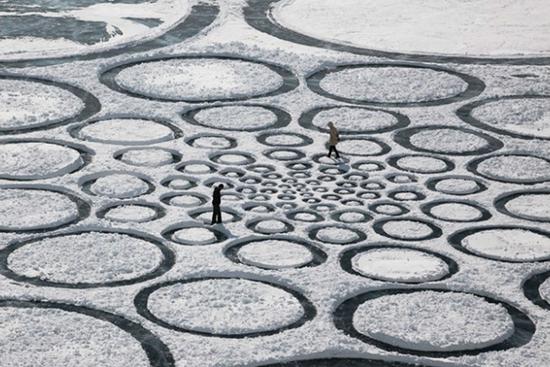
(176,156)
(291,215)
(84,152)
(269,154)
(190,140)
(211,167)
(363,185)
(165,198)
(335,216)
(248,206)
(377,226)
(88,181)
(347,256)
(141,300)
(306,120)
(403,138)
(91,105)
(229,170)
(455,240)
(380,165)
(251,224)
(376,195)
(316,158)
(262,139)
(465,114)
(329,206)
(501,201)
(394,162)
(83,207)
(384,147)
(215,157)
(170,230)
(524,327)
(313,230)
(342,362)
(195,213)
(260,168)
(168,261)
(108,78)
(348,202)
(474,86)
(258,14)
(232,249)
(472,166)
(419,195)
(484,213)
(157,352)
(74,131)
(391,177)
(374,208)
(432,183)
(167,180)
(531,289)
(160,212)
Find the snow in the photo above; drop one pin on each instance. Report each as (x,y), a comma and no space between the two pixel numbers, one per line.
(185,200)
(393,84)
(199,79)
(53,337)
(455,212)
(148,157)
(119,186)
(434,321)
(225,306)
(457,186)
(195,236)
(28,104)
(196,168)
(544,290)
(131,213)
(34,160)
(515,168)
(233,158)
(212,142)
(22,209)
(534,205)
(274,254)
(270,226)
(421,26)
(348,119)
(180,184)
(86,258)
(407,229)
(399,265)
(449,141)
(283,139)
(509,244)
(236,117)
(421,164)
(336,235)
(126,132)
(359,147)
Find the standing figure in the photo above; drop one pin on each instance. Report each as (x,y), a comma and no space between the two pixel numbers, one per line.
(333,140)
(216,201)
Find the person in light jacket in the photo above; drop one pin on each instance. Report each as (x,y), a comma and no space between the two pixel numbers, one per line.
(334,139)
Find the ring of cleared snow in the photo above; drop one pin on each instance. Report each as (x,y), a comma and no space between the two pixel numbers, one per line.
(387,207)
(131,212)
(456,211)
(211,141)
(53,334)
(204,215)
(284,139)
(86,259)
(353,120)
(406,195)
(531,205)
(179,182)
(147,157)
(447,140)
(269,226)
(32,104)
(117,185)
(362,147)
(395,263)
(336,234)
(504,243)
(187,199)
(126,131)
(456,185)
(235,158)
(407,229)
(39,208)
(196,167)
(518,168)
(394,85)
(248,117)
(194,79)
(34,159)
(537,289)
(350,216)
(275,252)
(421,163)
(284,154)
(520,116)
(193,234)
(433,322)
(342,362)
(401,178)
(224,307)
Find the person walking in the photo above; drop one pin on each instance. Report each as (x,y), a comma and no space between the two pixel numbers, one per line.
(216,201)
(334,139)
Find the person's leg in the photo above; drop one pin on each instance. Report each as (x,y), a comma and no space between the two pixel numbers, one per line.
(330,149)
(336,151)
(213,215)
(219,215)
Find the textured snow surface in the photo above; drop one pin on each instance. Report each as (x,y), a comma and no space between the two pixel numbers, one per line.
(275,254)
(336,235)
(515,167)
(229,306)
(147,157)
(421,164)
(195,236)
(86,258)
(236,117)
(22,209)
(456,186)
(424,26)
(407,229)
(544,290)
(448,141)
(399,265)
(126,131)
(28,160)
(119,186)
(199,79)
(27,104)
(354,119)
(131,213)
(509,244)
(434,321)
(535,206)
(393,84)
(455,212)
(359,147)
(51,338)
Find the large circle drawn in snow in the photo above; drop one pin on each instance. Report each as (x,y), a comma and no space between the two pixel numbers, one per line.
(126,131)
(446,140)
(383,318)
(245,117)
(117,185)
(131,212)
(394,85)
(397,263)
(36,328)
(421,163)
(521,116)
(531,205)
(193,234)
(336,234)
(456,185)
(407,229)
(517,168)
(275,252)
(362,146)
(456,211)
(39,208)
(514,244)
(224,307)
(353,120)
(36,159)
(147,157)
(342,362)
(284,139)
(30,104)
(86,259)
(197,78)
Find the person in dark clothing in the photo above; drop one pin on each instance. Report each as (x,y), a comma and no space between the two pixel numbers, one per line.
(334,138)
(216,201)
